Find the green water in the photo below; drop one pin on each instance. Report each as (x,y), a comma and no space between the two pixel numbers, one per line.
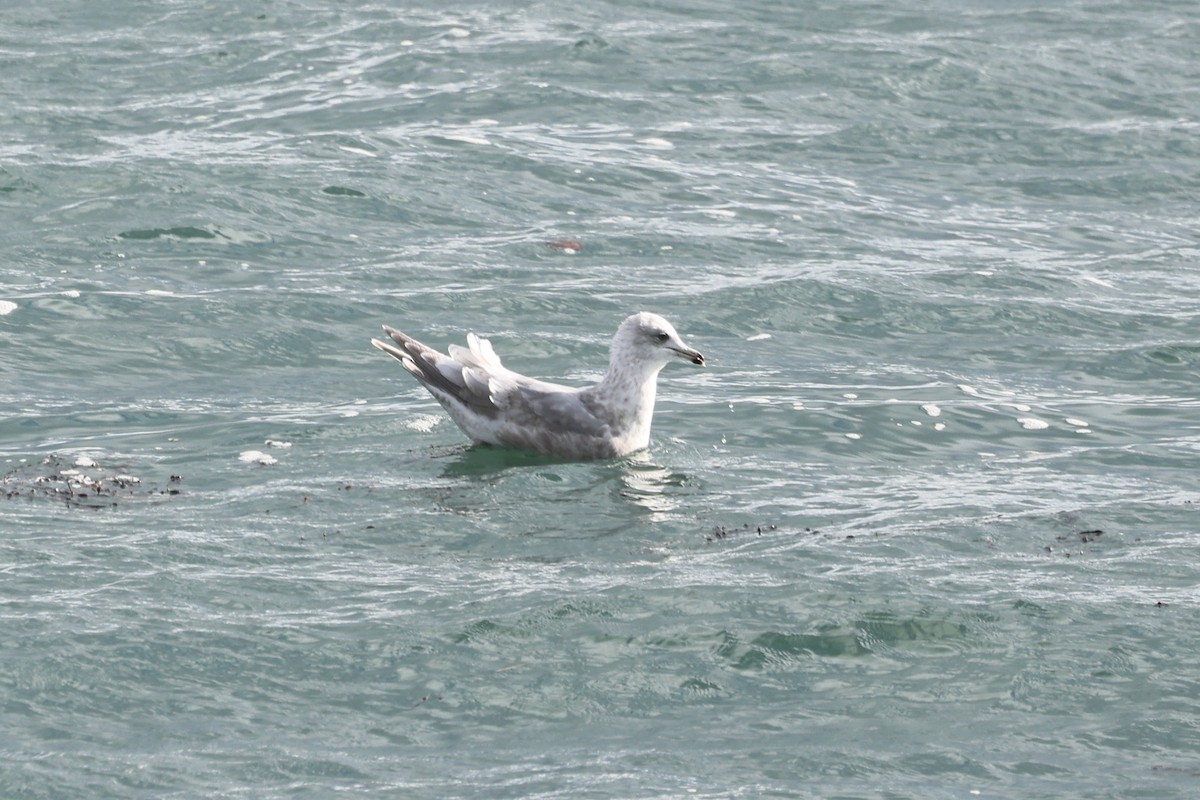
(925,527)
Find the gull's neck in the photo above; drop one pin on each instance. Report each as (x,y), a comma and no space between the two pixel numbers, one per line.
(628,391)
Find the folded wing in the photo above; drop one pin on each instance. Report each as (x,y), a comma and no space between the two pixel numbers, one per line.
(473,385)
(547,406)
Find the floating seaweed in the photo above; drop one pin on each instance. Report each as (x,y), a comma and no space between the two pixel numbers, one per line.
(80,482)
(720,532)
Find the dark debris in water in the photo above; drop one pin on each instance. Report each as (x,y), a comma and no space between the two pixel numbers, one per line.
(565,245)
(1192,772)
(1085,537)
(1077,537)
(720,532)
(80,482)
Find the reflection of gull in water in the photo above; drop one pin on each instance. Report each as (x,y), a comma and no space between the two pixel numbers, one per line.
(495,405)
(649,485)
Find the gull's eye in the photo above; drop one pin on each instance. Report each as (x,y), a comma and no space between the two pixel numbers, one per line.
(662,337)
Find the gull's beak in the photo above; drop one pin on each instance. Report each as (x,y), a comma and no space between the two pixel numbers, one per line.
(691,355)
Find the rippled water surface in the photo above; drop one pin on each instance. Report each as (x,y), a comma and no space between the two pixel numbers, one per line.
(925,527)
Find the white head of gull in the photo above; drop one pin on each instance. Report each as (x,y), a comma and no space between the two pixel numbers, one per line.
(494,405)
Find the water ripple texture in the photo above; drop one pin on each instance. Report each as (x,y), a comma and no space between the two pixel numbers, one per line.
(926,526)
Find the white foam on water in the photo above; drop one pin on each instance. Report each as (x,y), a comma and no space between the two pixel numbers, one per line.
(1033,423)
(467,139)
(758,337)
(257,457)
(7,307)
(932,410)
(424,423)
(656,143)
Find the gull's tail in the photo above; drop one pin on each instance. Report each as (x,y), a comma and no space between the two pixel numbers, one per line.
(448,379)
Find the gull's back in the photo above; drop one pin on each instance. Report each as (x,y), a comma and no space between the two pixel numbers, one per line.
(494,405)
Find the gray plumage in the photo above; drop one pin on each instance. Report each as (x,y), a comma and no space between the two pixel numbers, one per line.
(495,405)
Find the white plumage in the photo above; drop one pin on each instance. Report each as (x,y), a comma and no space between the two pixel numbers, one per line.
(494,405)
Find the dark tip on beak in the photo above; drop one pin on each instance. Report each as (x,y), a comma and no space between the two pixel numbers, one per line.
(691,355)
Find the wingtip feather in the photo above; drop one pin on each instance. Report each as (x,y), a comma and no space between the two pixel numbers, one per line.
(391,350)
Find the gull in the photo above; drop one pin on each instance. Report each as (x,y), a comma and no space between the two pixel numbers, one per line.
(494,405)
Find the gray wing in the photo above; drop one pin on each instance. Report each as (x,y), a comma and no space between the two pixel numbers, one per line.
(537,404)
(473,378)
